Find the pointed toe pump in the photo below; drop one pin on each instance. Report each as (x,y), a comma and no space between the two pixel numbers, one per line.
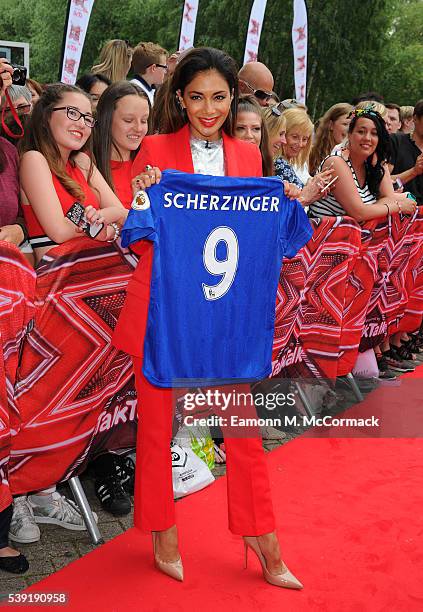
(174,569)
(285,579)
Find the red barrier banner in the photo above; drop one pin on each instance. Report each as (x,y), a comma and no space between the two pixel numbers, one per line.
(359,287)
(16,309)
(413,313)
(389,296)
(75,391)
(310,301)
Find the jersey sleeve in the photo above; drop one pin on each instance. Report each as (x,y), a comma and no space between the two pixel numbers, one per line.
(139,225)
(295,228)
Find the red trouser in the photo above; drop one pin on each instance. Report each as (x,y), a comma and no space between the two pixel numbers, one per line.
(250,507)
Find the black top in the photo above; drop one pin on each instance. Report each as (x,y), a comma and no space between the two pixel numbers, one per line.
(405,154)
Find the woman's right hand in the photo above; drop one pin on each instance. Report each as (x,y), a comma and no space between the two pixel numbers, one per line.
(315,188)
(146,179)
(6,72)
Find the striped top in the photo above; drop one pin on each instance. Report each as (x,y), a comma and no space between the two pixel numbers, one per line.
(329,205)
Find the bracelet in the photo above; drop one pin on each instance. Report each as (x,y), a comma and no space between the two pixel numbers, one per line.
(117,232)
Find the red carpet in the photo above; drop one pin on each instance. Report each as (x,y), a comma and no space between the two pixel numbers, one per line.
(350,520)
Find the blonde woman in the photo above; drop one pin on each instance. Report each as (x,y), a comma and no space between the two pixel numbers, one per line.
(295,147)
(332,130)
(296,151)
(115,60)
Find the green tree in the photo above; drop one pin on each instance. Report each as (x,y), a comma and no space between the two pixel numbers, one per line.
(401,77)
(352,46)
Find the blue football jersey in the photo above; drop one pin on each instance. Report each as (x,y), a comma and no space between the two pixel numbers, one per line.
(218,249)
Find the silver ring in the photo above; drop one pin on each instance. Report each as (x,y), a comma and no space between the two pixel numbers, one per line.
(148,167)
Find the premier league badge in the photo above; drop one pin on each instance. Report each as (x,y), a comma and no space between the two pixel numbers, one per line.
(141,201)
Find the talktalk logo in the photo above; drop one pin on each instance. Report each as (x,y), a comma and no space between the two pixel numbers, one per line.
(120,415)
(374,329)
(289,358)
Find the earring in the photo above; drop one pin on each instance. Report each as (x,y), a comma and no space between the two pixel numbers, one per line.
(179,102)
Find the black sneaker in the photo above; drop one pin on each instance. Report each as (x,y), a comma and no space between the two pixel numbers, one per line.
(125,467)
(395,363)
(108,486)
(384,372)
(404,356)
(405,352)
(112,495)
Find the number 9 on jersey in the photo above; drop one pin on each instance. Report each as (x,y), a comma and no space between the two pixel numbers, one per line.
(226,268)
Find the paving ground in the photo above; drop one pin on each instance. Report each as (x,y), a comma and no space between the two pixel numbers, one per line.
(59,546)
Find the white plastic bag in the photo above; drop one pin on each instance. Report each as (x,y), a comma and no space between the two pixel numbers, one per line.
(199,440)
(189,472)
(366,365)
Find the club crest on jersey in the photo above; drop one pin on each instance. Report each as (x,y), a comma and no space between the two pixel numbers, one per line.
(141,201)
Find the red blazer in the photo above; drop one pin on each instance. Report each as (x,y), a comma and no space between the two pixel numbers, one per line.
(169,151)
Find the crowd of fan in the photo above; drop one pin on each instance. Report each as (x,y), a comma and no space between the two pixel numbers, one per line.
(357,154)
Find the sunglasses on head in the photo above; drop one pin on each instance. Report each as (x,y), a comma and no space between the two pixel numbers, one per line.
(288,103)
(260,94)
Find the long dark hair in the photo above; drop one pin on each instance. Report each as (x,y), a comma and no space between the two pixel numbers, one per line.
(193,62)
(374,166)
(103,139)
(38,136)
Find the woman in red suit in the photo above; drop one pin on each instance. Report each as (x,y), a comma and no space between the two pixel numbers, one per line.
(199,119)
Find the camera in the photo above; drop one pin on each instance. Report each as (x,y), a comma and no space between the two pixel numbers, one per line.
(18,74)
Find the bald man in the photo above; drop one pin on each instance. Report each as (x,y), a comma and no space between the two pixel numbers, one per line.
(257,79)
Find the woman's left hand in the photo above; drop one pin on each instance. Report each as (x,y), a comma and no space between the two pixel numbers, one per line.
(93,215)
(146,179)
(12,234)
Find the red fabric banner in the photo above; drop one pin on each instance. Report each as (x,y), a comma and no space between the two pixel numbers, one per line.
(310,301)
(75,391)
(389,295)
(413,312)
(16,310)
(359,287)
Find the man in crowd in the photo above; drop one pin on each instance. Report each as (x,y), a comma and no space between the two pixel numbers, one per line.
(256,78)
(407,156)
(392,119)
(149,64)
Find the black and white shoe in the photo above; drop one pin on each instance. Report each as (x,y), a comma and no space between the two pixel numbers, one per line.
(108,486)
(125,467)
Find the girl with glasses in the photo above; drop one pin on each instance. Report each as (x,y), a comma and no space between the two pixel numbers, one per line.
(56,170)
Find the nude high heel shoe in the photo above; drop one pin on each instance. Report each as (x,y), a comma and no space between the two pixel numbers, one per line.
(174,569)
(285,579)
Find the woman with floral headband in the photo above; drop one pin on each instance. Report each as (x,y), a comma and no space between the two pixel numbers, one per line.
(363,189)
